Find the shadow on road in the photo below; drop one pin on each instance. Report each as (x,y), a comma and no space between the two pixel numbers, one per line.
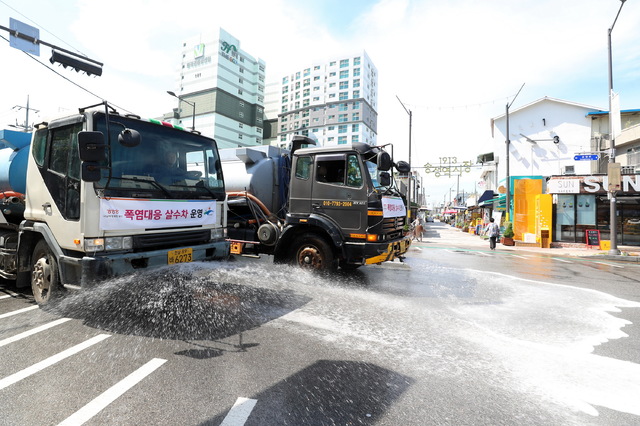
(328,393)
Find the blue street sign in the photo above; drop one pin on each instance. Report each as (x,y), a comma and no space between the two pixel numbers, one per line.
(586,157)
(20,43)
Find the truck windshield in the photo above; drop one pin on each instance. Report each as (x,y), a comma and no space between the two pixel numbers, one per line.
(168,163)
(373,173)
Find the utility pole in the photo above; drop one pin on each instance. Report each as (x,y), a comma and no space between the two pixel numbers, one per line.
(408,111)
(613,221)
(508,142)
(26,127)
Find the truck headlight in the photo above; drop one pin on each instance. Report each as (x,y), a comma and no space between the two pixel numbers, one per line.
(109,244)
(218,234)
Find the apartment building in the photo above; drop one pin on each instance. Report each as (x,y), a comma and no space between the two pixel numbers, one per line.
(334,102)
(221,90)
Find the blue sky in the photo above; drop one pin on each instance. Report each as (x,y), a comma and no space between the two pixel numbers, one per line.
(454,63)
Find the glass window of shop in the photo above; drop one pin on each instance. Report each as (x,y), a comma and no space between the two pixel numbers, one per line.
(574,214)
(628,220)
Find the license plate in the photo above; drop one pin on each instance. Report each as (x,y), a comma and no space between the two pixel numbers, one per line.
(180,256)
(236,248)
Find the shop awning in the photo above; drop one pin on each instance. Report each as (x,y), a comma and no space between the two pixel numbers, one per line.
(486,195)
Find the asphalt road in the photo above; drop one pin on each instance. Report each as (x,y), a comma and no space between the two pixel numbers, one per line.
(457,334)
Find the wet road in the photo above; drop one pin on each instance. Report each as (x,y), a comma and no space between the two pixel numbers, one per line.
(455,335)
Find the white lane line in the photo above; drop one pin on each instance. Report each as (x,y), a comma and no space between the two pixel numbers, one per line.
(562,260)
(114,392)
(609,264)
(484,254)
(16,377)
(32,331)
(240,412)
(11,294)
(19,311)
(517,255)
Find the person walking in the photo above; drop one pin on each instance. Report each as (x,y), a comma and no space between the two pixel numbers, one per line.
(492,230)
(417,229)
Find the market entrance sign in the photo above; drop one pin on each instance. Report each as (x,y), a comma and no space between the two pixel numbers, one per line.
(448,166)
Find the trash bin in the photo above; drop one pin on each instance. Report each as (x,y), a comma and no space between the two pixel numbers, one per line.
(544,239)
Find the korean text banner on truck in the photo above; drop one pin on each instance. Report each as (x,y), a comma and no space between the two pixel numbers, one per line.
(126,213)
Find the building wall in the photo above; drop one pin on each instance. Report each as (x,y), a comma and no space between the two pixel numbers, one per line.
(540,122)
(334,102)
(227,86)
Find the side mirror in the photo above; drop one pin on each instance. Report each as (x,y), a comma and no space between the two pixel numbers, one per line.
(384,161)
(91,171)
(403,167)
(384,179)
(129,138)
(91,146)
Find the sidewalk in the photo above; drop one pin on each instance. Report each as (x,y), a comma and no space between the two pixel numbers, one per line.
(439,233)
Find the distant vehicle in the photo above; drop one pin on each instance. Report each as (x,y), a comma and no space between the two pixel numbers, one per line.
(429,219)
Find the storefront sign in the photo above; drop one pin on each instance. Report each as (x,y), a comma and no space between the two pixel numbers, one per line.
(125,213)
(592,185)
(564,186)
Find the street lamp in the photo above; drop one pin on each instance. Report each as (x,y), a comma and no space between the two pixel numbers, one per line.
(613,225)
(193,105)
(410,173)
(507,143)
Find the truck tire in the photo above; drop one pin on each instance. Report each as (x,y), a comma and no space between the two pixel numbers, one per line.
(312,252)
(45,280)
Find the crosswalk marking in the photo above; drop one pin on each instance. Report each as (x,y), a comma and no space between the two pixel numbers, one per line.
(114,392)
(16,377)
(11,294)
(240,412)
(19,311)
(32,331)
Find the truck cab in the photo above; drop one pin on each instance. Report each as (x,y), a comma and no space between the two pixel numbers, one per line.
(101,201)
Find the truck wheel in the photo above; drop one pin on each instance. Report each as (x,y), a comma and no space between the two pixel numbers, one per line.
(312,252)
(45,281)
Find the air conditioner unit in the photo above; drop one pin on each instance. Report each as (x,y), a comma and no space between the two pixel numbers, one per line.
(628,170)
(569,170)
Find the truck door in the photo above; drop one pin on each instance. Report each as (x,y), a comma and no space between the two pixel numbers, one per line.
(58,166)
(339,192)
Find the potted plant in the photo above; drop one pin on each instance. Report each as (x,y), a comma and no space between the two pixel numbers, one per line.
(507,235)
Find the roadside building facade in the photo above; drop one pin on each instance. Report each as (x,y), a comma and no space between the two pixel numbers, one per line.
(227,87)
(334,102)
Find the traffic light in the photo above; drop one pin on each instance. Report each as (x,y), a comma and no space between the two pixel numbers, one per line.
(76,62)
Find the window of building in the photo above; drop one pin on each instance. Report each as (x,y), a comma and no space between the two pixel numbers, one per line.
(298,75)
(285,80)
(316,98)
(306,82)
(356,60)
(332,95)
(241,114)
(343,107)
(331,85)
(316,78)
(332,63)
(344,74)
(355,116)
(356,94)
(332,74)
(239,135)
(356,105)
(342,118)
(342,140)
(285,89)
(344,96)
(306,92)
(356,72)
(307,72)
(355,127)
(342,128)
(241,70)
(355,138)
(240,125)
(344,85)
(241,104)
(356,82)
(331,128)
(344,63)
(240,92)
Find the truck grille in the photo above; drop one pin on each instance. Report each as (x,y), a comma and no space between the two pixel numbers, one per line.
(169,240)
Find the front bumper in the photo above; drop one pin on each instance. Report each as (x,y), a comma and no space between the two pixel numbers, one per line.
(376,253)
(91,269)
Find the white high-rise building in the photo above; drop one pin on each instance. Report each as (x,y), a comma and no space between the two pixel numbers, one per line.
(334,102)
(227,86)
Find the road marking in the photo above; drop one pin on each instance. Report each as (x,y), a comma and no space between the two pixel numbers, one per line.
(484,254)
(562,260)
(11,294)
(517,255)
(16,377)
(114,392)
(19,311)
(32,331)
(609,264)
(240,412)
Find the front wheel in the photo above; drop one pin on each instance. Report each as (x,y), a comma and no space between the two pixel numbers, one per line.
(312,252)
(45,280)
